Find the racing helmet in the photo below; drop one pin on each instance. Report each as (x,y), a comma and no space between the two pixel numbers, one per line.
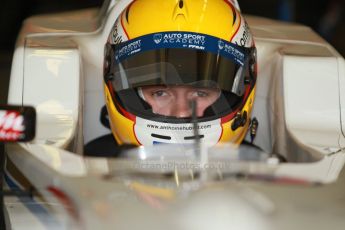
(179,70)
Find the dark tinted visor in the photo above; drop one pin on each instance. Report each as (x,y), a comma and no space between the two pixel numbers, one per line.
(178,67)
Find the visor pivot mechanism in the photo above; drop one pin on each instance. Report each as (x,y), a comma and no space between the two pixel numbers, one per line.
(253,129)
(240,120)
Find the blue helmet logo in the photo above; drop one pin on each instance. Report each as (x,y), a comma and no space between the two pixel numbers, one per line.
(221,44)
(157,38)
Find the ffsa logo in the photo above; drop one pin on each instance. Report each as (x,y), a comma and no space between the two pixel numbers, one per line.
(157,38)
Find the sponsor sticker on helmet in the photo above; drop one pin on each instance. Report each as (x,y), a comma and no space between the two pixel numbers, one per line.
(179,40)
(243,36)
(117,34)
(130,49)
(187,40)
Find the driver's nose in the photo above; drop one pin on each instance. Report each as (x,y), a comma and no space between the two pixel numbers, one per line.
(181,109)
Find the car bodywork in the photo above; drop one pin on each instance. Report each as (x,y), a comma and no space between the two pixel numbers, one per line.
(300,105)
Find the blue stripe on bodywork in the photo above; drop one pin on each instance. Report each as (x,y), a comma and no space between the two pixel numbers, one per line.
(37,209)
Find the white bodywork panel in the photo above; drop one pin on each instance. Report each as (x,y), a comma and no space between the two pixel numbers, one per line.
(54,72)
(50,80)
(313,83)
(294,69)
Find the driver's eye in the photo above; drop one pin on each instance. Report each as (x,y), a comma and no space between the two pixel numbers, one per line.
(201,94)
(159,93)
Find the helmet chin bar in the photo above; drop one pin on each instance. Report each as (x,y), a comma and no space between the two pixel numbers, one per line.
(150,132)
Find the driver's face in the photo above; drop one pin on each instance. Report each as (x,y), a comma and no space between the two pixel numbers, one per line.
(175,100)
